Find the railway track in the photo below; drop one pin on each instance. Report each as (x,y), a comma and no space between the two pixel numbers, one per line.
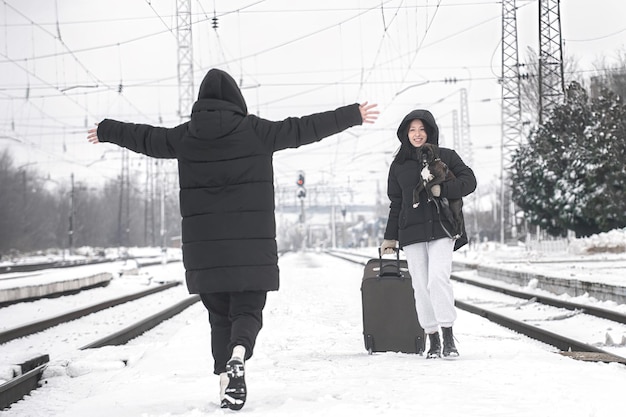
(41,325)
(144,310)
(29,373)
(507,309)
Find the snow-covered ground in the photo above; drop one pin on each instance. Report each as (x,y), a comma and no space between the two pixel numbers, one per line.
(310,360)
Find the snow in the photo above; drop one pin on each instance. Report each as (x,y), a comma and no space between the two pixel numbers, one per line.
(310,360)
(128,277)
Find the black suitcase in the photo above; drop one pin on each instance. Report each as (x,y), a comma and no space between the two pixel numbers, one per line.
(389,317)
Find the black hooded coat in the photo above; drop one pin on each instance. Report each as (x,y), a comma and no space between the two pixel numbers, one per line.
(227,181)
(410,225)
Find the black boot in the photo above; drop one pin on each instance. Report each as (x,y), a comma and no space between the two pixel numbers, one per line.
(435,346)
(449,349)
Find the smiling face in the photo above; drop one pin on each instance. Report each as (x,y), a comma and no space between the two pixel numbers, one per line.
(417,133)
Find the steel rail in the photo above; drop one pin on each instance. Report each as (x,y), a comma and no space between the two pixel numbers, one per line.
(554,302)
(136,329)
(38,326)
(563,343)
(21,385)
(32,370)
(542,299)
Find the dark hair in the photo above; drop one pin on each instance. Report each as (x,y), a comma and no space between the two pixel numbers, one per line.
(404,152)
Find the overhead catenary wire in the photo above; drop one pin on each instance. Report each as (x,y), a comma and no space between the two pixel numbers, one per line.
(64,45)
(385,64)
(225,61)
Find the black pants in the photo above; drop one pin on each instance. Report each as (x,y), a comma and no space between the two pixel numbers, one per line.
(236,319)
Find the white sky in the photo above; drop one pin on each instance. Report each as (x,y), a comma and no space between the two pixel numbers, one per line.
(292,58)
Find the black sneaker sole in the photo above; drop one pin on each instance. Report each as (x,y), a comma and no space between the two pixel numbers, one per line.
(235,394)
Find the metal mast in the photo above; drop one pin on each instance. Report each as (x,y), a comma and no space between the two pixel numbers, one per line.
(185,58)
(551,83)
(466,140)
(456,141)
(185,97)
(511,114)
(123,215)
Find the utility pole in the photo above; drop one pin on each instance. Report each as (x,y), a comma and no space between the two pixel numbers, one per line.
(456,136)
(466,151)
(161,182)
(301,194)
(185,58)
(185,95)
(551,83)
(70,233)
(466,140)
(148,234)
(511,114)
(123,214)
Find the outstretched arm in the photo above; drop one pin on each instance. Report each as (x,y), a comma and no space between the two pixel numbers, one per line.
(294,132)
(158,142)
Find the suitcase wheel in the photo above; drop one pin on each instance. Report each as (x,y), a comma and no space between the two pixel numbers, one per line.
(369,343)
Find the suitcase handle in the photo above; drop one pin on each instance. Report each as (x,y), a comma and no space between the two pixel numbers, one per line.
(387,274)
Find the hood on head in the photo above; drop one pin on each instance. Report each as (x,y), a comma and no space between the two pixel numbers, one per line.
(219,85)
(432,130)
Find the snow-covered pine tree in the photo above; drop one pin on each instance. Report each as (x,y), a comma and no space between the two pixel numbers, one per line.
(568,175)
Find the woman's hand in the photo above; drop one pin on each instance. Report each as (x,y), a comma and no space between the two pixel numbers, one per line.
(388,247)
(92,135)
(368,115)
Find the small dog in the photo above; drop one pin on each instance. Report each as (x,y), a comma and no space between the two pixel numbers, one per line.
(436,172)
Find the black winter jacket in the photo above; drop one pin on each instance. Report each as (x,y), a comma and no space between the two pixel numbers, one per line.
(410,225)
(227,181)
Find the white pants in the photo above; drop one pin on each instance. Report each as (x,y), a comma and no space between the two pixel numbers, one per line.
(430,265)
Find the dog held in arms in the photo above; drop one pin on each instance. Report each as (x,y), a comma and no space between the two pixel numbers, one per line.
(435,172)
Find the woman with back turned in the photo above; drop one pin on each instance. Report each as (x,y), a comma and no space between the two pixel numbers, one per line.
(227,205)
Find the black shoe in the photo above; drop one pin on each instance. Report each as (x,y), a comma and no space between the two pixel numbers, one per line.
(449,349)
(235,394)
(435,346)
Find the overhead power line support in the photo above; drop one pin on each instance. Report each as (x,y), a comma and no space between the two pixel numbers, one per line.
(551,83)
(456,141)
(123,215)
(185,58)
(149,219)
(511,115)
(466,140)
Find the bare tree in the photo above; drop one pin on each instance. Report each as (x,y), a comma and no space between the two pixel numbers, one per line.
(529,86)
(611,76)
